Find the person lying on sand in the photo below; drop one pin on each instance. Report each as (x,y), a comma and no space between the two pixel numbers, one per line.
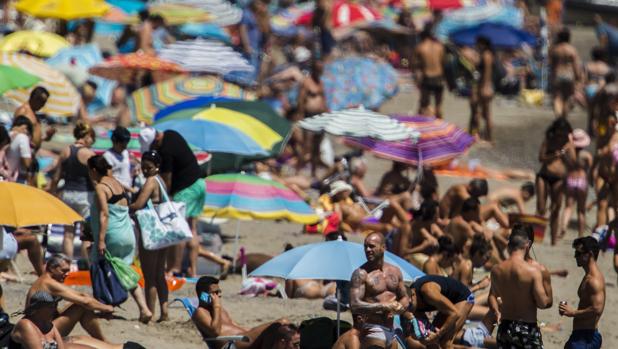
(212,320)
(508,197)
(81,308)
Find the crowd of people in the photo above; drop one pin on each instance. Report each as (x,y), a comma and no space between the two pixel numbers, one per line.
(452,238)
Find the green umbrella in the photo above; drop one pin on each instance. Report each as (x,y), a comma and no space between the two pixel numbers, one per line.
(12,78)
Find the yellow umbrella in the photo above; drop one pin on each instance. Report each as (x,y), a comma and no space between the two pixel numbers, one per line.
(24,206)
(63,9)
(63,97)
(42,44)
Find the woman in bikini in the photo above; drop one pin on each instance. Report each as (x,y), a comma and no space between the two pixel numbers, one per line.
(595,80)
(577,183)
(557,153)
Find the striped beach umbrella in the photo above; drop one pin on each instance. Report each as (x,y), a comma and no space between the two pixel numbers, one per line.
(247,197)
(64,98)
(146,102)
(38,43)
(12,78)
(123,67)
(222,12)
(205,56)
(359,123)
(63,9)
(438,144)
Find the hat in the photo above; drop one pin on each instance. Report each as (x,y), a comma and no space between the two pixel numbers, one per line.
(40,299)
(580,138)
(146,137)
(121,134)
(338,187)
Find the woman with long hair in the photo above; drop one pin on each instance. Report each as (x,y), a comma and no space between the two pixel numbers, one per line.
(557,155)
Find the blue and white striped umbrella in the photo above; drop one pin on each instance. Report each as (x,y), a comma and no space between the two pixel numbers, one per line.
(359,123)
(205,56)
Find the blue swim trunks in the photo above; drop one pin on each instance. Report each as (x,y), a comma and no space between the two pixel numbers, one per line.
(584,339)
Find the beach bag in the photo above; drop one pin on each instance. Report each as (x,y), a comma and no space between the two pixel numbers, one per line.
(154,233)
(172,214)
(106,288)
(126,275)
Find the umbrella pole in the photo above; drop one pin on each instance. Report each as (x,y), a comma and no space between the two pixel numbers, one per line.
(338,311)
(236,244)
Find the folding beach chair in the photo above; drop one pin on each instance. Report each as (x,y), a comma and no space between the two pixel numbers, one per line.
(190,304)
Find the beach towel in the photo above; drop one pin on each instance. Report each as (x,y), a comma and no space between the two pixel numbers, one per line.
(255,286)
(119,238)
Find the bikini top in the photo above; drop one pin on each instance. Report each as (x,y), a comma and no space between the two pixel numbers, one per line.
(116,197)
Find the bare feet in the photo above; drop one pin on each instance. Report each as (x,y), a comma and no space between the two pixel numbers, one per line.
(163,318)
(145,317)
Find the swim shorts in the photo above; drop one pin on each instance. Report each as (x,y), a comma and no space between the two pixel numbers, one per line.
(79,201)
(584,339)
(379,332)
(193,197)
(519,335)
(475,336)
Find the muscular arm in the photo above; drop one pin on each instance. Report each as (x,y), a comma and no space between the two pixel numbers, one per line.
(597,301)
(207,324)
(402,293)
(492,299)
(68,294)
(542,299)
(357,294)
(431,294)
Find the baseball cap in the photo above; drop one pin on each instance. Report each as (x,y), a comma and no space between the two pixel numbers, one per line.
(338,187)
(146,137)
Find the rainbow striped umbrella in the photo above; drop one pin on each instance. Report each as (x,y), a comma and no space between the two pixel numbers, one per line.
(64,98)
(146,102)
(438,144)
(248,197)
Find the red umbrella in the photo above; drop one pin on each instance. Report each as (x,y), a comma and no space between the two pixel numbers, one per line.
(344,14)
(444,4)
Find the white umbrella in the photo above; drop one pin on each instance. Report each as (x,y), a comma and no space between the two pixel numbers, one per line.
(205,56)
(359,123)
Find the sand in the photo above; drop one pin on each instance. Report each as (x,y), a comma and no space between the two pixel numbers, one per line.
(519,131)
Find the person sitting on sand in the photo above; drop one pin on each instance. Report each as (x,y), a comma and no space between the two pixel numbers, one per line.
(416,246)
(18,240)
(81,308)
(212,320)
(507,197)
(394,182)
(351,339)
(441,262)
(358,170)
(451,202)
(479,335)
(465,225)
(463,268)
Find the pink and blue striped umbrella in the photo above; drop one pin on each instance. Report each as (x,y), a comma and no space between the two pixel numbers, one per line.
(438,144)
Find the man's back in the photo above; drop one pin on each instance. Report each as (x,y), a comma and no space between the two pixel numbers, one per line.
(514,280)
(177,158)
(430,52)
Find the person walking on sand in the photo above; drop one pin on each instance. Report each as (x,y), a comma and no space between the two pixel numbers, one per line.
(483,91)
(565,71)
(518,289)
(591,294)
(429,58)
(377,291)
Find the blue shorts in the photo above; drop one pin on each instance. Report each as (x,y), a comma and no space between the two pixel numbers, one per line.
(584,339)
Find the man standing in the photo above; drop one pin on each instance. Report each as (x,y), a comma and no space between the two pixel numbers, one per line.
(38,99)
(429,58)
(182,177)
(591,294)
(565,66)
(19,153)
(522,287)
(378,292)
(81,306)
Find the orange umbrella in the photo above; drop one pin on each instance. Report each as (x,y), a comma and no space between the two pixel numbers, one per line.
(123,67)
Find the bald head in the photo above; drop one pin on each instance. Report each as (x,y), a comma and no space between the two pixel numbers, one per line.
(374,248)
(376,238)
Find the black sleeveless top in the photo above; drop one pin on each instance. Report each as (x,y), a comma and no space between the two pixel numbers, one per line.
(76,177)
(450,288)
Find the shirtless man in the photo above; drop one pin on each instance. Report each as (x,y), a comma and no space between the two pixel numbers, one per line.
(81,308)
(377,291)
(212,320)
(358,170)
(351,339)
(591,294)
(465,225)
(416,246)
(518,289)
(452,300)
(452,201)
(507,197)
(429,58)
(463,268)
(38,99)
(441,262)
(394,181)
(566,73)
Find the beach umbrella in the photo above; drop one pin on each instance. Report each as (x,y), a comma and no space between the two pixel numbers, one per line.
(189,108)
(237,127)
(38,43)
(468,17)
(146,102)
(439,143)
(63,99)
(284,21)
(63,9)
(353,81)
(248,197)
(359,123)
(329,260)
(178,13)
(344,14)
(12,78)
(222,12)
(78,59)
(501,36)
(205,56)
(205,31)
(24,206)
(123,67)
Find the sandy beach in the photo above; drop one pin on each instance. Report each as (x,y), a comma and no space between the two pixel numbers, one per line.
(518,130)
